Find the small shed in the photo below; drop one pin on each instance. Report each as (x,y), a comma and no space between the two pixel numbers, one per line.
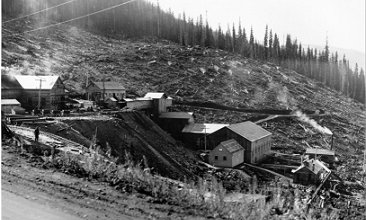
(111,102)
(311,171)
(194,133)
(328,156)
(174,122)
(227,154)
(11,106)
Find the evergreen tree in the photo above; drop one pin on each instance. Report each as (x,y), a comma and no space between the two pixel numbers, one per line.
(265,43)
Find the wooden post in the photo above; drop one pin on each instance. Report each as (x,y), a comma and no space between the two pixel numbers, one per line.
(39,92)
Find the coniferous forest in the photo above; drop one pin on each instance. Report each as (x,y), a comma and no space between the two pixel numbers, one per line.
(140,18)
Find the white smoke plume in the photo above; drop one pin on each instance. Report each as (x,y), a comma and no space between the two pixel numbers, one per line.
(304,118)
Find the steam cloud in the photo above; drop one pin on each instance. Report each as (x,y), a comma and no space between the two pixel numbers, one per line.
(304,118)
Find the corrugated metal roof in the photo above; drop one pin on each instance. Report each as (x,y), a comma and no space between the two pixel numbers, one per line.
(9,102)
(249,130)
(32,82)
(231,145)
(181,115)
(319,151)
(109,85)
(200,128)
(155,95)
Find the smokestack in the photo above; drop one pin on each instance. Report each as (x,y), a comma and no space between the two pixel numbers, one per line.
(331,146)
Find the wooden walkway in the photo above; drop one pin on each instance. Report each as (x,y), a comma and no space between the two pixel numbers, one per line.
(268,171)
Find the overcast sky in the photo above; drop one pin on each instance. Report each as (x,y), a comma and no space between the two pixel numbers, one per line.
(310,21)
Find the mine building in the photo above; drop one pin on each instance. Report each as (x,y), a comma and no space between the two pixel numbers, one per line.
(174,122)
(328,156)
(311,171)
(194,134)
(255,140)
(227,154)
(160,102)
(43,92)
(11,106)
(100,91)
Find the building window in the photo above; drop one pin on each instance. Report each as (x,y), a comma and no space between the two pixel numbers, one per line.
(216,157)
(224,157)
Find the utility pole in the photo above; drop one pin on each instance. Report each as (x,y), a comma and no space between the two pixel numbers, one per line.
(204,125)
(87,87)
(39,92)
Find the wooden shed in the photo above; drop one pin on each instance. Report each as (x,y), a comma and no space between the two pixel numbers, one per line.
(111,102)
(227,154)
(255,140)
(328,156)
(311,171)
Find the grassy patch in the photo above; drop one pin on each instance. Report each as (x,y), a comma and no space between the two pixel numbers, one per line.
(206,197)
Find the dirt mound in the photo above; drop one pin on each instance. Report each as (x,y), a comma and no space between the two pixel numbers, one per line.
(135,133)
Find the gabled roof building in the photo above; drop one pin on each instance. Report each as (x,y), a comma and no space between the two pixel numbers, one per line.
(44,92)
(311,171)
(100,91)
(227,154)
(255,140)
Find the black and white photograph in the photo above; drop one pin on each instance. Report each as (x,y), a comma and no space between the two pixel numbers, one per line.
(183,109)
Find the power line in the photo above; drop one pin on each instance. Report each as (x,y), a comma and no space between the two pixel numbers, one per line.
(37,12)
(84,16)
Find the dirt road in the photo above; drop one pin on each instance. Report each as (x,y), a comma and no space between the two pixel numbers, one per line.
(18,207)
(32,192)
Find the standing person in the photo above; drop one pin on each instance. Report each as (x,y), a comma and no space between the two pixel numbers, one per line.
(36,134)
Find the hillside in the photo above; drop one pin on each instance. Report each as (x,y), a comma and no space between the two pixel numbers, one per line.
(189,73)
(193,74)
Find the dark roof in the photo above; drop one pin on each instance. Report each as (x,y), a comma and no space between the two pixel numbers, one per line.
(231,145)
(249,130)
(9,82)
(319,151)
(179,115)
(109,85)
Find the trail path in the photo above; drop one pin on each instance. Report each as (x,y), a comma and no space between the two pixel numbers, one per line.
(47,138)
(17,207)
